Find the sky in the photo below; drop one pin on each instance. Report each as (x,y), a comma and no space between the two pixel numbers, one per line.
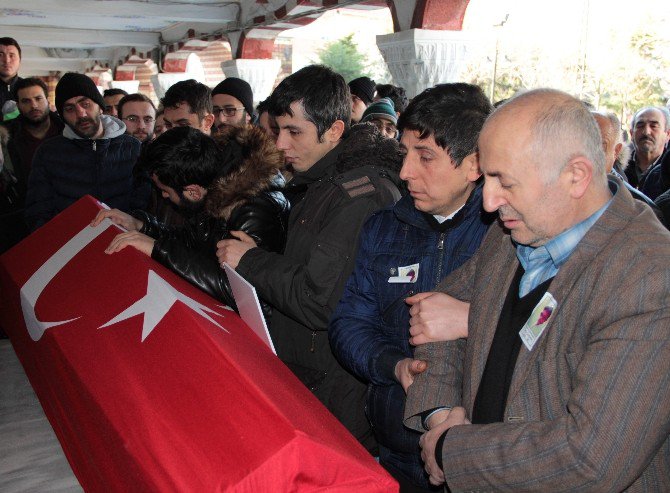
(598,25)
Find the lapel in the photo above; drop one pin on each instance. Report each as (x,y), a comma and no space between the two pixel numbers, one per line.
(500,268)
(615,218)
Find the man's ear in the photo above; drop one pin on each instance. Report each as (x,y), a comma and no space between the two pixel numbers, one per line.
(194,193)
(617,150)
(470,165)
(334,133)
(207,121)
(580,175)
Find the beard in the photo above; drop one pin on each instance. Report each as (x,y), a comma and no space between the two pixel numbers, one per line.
(88,131)
(143,136)
(35,121)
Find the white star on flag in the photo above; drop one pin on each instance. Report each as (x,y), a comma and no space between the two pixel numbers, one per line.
(159,299)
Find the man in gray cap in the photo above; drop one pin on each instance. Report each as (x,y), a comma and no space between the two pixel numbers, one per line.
(93,156)
(233,102)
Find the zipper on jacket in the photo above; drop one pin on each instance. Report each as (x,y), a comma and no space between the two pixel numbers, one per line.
(94,146)
(313,346)
(440,248)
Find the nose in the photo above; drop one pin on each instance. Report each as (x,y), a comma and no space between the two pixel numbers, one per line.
(282,141)
(492,199)
(81,112)
(406,170)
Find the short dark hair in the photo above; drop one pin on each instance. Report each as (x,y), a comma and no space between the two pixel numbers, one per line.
(197,95)
(324,96)
(263,106)
(396,94)
(133,98)
(113,92)
(7,41)
(30,82)
(452,113)
(182,156)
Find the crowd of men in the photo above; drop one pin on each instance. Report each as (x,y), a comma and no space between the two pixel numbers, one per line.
(479,295)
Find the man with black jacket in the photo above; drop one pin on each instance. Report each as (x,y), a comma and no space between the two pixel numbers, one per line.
(93,156)
(35,124)
(341,176)
(225,184)
(10,61)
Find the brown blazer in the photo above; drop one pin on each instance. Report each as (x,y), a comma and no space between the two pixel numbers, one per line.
(589,407)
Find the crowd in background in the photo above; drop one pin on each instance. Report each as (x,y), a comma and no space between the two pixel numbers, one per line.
(478,294)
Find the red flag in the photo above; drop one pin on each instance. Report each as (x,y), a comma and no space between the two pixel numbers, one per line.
(151,385)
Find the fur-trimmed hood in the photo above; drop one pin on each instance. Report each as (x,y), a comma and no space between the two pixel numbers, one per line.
(365,145)
(253,162)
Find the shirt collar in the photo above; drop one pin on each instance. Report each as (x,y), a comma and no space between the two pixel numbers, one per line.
(441,219)
(558,249)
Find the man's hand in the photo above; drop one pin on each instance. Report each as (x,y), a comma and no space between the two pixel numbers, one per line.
(429,439)
(141,242)
(231,251)
(437,317)
(124,220)
(406,369)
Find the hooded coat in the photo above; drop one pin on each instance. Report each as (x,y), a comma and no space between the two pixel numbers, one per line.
(67,167)
(331,201)
(247,198)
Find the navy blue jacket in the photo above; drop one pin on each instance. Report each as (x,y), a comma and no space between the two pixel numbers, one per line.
(369,331)
(67,167)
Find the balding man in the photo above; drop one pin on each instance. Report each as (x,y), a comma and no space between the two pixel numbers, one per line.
(565,370)
(649,132)
(610,130)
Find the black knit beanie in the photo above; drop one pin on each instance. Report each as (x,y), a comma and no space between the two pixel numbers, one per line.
(239,89)
(364,88)
(72,85)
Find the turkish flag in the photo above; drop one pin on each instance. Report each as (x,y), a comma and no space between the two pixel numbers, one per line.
(151,385)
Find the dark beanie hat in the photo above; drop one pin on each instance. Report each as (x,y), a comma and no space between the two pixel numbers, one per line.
(239,89)
(364,88)
(72,85)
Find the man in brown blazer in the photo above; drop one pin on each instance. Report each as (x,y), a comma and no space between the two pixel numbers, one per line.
(565,373)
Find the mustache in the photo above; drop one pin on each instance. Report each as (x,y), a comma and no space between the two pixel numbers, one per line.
(85,120)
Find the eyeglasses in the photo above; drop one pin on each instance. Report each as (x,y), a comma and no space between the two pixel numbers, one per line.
(226,110)
(385,127)
(134,119)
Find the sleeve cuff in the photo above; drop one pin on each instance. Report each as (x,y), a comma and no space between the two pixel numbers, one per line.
(425,416)
(438,448)
(384,364)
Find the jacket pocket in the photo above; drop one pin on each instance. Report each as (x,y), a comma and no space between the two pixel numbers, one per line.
(555,383)
(326,267)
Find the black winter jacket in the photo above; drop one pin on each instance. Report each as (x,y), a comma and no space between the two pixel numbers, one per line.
(67,167)
(8,90)
(248,199)
(304,284)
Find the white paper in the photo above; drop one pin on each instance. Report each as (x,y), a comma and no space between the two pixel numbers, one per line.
(248,305)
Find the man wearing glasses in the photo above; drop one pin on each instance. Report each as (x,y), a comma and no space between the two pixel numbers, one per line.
(139,114)
(233,102)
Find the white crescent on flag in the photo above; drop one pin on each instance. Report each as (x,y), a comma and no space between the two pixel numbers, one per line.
(32,289)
